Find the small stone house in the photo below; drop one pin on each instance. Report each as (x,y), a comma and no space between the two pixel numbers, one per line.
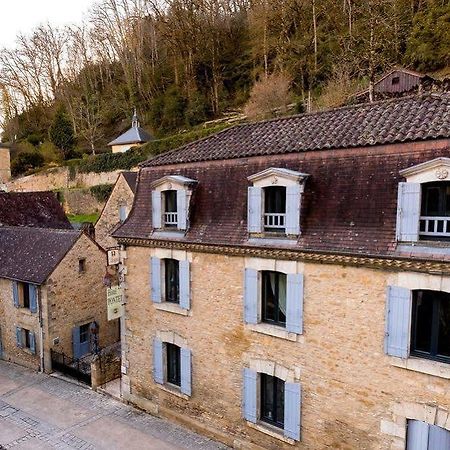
(51,292)
(287,282)
(116,209)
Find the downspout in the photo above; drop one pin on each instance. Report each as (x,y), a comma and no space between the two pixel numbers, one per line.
(41,332)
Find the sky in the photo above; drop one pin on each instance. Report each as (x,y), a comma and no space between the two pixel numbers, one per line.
(24,15)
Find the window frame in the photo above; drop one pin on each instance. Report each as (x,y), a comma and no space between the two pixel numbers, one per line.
(280,215)
(164,207)
(166,282)
(277,398)
(81,265)
(173,365)
(265,274)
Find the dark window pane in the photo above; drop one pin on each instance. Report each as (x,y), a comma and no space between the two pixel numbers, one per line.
(272,400)
(170,201)
(274,297)
(424,315)
(432,201)
(26,295)
(443,346)
(275,199)
(84,333)
(280,401)
(173,364)
(172,280)
(436,199)
(27,338)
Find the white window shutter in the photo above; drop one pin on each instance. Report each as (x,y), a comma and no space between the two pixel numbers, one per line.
(182,209)
(417,435)
(438,438)
(186,371)
(15,287)
(294,303)
(408,212)
(122,213)
(254,214)
(185,285)
(398,320)
(156,209)
(251,296)
(250,395)
(155,279)
(293,195)
(292,410)
(158,368)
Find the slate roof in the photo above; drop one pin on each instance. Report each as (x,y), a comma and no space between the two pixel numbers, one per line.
(31,254)
(130,178)
(135,135)
(404,119)
(37,209)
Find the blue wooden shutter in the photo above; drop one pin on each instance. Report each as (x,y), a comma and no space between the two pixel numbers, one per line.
(32,342)
(19,341)
(293,209)
(76,345)
(186,371)
(185,288)
(33,291)
(182,209)
(439,438)
(251,296)
(417,435)
(156,279)
(15,286)
(292,410)
(158,370)
(254,214)
(122,213)
(294,303)
(156,209)
(250,395)
(408,211)
(398,319)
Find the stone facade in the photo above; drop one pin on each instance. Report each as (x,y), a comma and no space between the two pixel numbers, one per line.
(5,165)
(68,299)
(353,395)
(121,196)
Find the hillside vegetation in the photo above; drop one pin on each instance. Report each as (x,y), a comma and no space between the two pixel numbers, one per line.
(67,92)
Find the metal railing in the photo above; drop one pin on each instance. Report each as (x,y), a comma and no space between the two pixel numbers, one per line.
(438,226)
(170,218)
(274,220)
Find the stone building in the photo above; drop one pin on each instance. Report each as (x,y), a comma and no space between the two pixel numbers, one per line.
(288,281)
(134,137)
(116,209)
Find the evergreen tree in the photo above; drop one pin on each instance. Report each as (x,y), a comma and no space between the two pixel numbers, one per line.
(61,133)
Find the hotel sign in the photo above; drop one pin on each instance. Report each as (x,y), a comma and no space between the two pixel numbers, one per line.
(114,302)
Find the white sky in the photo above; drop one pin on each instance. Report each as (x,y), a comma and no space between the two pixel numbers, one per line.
(24,15)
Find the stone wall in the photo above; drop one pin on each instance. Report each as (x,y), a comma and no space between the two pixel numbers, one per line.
(122,195)
(80,201)
(353,395)
(5,165)
(104,368)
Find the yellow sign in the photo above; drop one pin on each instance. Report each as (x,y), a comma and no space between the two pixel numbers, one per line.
(114,302)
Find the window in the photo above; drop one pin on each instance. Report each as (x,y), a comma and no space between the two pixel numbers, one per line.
(173,369)
(81,265)
(25,295)
(170,209)
(430,333)
(81,340)
(424,436)
(395,80)
(84,333)
(172,280)
(272,400)
(25,339)
(273,297)
(275,209)
(25,291)
(435,211)
(123,213)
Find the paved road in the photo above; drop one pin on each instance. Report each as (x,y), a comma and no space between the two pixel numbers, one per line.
(42,412)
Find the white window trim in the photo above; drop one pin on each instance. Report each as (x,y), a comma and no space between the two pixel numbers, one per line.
(174,308)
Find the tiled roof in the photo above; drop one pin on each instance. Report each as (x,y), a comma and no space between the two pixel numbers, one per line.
(404,119)
(34,209)
(130,178)
(31,254)
(135,135)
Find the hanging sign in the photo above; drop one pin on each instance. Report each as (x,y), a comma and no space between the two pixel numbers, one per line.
(114,302)
(113,256)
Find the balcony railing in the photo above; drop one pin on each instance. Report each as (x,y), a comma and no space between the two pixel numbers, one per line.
(275,220)
(170,219)
(434,226)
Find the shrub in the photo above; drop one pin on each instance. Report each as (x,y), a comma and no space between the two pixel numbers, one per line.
(26,161)
(49,152)
(61,133)
(101,191)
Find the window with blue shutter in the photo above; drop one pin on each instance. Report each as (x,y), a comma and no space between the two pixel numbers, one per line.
(408,212)
(417,435)
(185,289)
(293,194)
(251,296)
(186,371)
(19,337)
(182,209)
(32,340)
(438,438)
(250,395)
(294,303)
(15,288)
(33,291)
(76,345)
(398,320)
(156,279)
(158,369)
(254,214)
(122,213)
(292,410)
(156,210)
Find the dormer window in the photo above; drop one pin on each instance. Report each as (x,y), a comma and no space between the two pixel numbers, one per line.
(170,202)
(274,202)
(435,210)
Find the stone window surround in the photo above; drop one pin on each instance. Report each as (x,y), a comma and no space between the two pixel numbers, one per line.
(421,281)
(402,411)
(170,337)
(287,267)
(273,369)
(179,255)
